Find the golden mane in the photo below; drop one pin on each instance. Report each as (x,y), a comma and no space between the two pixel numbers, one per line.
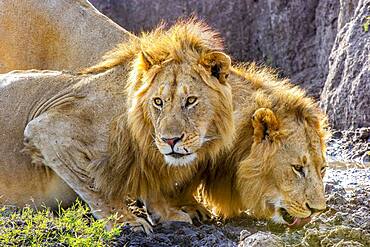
(261,88)
(281,94)
(134,166)
(163,44)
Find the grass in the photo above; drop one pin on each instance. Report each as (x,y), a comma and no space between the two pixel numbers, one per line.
(74,226)
(366,25)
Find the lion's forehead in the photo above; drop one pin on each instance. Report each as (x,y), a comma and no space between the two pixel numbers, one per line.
(304,154)
(176,85)
(300,146)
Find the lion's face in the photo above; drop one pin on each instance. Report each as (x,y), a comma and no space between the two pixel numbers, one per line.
(189,108)
(292,166)
(182,111)
(297,170)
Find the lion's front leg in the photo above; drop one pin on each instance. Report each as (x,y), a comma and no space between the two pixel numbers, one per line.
(62,147)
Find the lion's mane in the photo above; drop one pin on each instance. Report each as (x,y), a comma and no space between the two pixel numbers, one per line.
(257,87)
(134,167)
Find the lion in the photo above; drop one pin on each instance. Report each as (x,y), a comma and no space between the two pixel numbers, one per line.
(138,124)
(276,165)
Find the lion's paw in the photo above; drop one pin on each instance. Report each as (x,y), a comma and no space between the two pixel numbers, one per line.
(178,215)
(197,213)
(139,225)
(170,215)
(136,225)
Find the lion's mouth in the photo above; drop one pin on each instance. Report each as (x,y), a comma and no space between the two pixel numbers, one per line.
(177,155)
(293,221)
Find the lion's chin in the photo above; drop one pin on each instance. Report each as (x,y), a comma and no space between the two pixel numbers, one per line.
(180,161)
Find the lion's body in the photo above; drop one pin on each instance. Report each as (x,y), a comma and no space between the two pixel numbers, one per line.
(20,95)
(96,131)
(256,173)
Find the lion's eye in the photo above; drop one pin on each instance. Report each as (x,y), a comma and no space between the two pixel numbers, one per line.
(298,169)
(158,102)
(190,101)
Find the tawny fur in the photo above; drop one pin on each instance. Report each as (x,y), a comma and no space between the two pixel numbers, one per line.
(249,176)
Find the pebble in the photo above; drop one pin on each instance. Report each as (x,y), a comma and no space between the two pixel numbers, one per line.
(260,239)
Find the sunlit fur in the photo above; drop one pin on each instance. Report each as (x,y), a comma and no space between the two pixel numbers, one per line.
(134,165)
(256,175)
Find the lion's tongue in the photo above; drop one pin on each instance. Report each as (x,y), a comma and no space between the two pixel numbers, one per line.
(298,222)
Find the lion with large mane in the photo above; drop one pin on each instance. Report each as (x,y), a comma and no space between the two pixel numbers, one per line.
(137,124)
(276,164)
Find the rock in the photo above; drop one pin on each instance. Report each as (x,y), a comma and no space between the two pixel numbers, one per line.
(244,234)
(329,187)
(346,94)
(260,239)
(336,134)
(56,34)
(366,158)
(350,146)
(337,199)
(294,36)
(364,134)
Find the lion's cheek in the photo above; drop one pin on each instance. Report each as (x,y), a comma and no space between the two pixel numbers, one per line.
(285,181)
(266,210)
(203,129)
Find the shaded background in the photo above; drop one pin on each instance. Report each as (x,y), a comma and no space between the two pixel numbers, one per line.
(294,36)
(318,44)
(321,45)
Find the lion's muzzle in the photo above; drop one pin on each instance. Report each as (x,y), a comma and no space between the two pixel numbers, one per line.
(172,140)
(176,150)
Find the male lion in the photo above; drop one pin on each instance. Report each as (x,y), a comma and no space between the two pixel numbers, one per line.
(159,105)
(277,162)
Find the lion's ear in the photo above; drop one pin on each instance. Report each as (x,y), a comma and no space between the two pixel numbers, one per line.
(146,60)
(218,64)
(265,124)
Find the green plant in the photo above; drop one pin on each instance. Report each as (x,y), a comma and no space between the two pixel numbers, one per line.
(74,226)
(366,24)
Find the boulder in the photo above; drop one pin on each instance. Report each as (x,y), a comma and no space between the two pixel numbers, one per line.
(54,34)
(346,94)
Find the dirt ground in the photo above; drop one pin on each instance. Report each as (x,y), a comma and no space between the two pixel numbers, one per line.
(346,222)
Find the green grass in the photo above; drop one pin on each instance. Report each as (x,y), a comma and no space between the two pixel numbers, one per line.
(366,25)
(74,226)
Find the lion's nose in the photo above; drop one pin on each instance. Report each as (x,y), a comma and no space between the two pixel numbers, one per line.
(315,209)
(172,140)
